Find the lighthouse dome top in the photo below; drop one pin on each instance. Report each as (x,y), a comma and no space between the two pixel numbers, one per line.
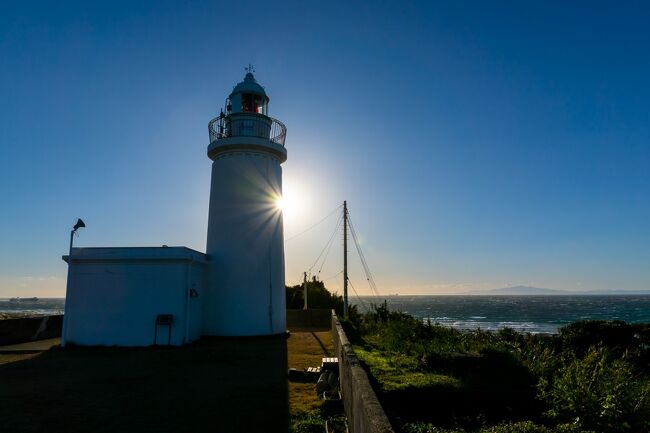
(249,85)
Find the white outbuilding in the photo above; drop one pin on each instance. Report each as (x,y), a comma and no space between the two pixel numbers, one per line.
(173,295)
(134,296)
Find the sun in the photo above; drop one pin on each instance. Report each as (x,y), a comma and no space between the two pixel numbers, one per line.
(287,204)
(291,203)
(281,203)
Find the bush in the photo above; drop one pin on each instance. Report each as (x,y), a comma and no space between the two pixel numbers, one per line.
(307,422)
(426,428)
(518,427)
(594,375)
(579,337)
(602,392)
(531,427)
(317,297)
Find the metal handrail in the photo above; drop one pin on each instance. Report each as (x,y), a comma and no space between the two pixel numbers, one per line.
(247,125)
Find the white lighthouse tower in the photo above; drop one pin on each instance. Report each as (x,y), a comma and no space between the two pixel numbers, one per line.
(245,295)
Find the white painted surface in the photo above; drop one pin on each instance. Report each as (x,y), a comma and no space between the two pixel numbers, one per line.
(246,144)
(245,248)
(115,294)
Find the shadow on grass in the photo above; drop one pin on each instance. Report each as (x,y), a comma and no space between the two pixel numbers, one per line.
(216,385)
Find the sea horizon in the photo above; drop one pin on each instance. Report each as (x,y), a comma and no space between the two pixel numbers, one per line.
(491,312)
(525,313)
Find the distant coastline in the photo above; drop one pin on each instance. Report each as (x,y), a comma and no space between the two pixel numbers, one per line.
(538,291)
(530,291)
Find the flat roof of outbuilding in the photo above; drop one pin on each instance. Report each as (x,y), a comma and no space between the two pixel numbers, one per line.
(163,253)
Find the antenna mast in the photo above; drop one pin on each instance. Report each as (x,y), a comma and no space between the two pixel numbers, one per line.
(345,259)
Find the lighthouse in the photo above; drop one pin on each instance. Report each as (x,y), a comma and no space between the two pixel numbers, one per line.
(245,292)
(141,296)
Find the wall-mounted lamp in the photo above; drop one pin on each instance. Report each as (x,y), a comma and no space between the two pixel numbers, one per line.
(80,224)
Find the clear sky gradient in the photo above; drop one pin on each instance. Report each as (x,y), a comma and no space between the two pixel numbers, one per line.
(479,144)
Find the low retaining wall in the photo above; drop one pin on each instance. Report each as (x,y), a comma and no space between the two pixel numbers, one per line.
(362,408)
(22,330)
(317,319)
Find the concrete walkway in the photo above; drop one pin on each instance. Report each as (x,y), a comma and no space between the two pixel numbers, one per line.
(30,347)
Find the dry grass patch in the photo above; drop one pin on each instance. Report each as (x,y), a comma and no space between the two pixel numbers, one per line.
(306,349)
(7,358)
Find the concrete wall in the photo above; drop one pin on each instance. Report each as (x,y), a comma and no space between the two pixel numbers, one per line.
(316,319)
(362,408)
(24,329)
(115,294)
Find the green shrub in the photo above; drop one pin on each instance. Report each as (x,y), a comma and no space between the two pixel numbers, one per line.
(426,428)
(602,392)
(518,427)
(307,422)
(579,337)
(318,297)
(593,374)
(531,427)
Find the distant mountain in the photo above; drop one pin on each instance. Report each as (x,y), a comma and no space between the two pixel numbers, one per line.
(527,290)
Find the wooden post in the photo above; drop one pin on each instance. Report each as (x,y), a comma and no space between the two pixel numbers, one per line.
(304,287)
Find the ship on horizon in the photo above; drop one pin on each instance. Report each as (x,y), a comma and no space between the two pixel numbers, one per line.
(19,299)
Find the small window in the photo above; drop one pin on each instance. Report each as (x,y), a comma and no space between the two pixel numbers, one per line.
(259,105)
(247,104)
(251,103)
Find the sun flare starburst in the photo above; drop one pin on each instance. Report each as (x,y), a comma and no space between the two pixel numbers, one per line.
(291,203)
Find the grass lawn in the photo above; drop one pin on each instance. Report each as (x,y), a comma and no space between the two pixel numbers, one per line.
(216,385)
(306,349)
(397,373)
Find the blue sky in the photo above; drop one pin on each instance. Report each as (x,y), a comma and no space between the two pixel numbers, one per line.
(479,144)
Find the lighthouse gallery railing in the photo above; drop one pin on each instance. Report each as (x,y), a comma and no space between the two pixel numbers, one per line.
(247,125)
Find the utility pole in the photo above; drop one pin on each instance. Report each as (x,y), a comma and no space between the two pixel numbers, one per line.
(345,259)
(304,287)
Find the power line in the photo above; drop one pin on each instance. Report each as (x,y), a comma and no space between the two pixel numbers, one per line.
(333,276)
(327,245)
(366,267)
(365,304)
(314,225)
(364,263)
(330,245)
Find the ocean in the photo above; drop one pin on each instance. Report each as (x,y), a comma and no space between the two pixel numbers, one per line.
(28,307)
(534,314)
